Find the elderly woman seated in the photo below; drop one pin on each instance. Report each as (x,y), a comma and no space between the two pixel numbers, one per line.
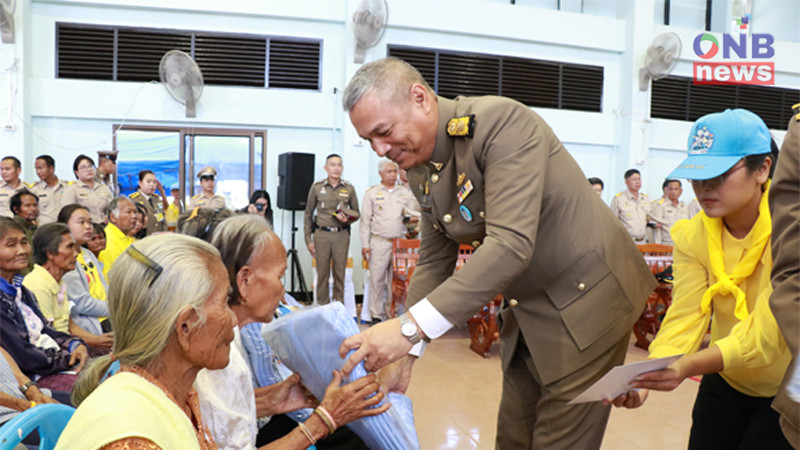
(168,302)
(39,350)
(256,260)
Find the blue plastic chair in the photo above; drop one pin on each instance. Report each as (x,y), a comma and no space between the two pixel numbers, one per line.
(50,419)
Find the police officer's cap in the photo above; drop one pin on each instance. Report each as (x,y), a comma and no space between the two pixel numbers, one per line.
(207,171)
(108,154)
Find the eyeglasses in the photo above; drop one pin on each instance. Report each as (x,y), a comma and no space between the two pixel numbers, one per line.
(144,259)
(85,167)
(717,181)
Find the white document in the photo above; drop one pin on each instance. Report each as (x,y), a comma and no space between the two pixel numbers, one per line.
(618,379)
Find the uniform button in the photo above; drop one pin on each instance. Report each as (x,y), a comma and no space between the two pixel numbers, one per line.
(435,226)
(476,244)
(513,303)
(482,214)
(581,287)
(435,178)
(447,218)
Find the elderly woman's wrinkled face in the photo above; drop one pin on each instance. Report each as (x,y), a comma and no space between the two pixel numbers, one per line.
(211,342)
(14,251)
(266,288)
(67,252)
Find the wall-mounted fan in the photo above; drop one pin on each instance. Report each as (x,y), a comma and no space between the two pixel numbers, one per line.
(182,78)
(369,22)
(662,56)
(7,8)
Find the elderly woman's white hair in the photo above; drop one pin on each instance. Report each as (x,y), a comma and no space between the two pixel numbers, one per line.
(149,284)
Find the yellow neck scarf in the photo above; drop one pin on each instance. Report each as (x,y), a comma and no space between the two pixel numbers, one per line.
(729,283)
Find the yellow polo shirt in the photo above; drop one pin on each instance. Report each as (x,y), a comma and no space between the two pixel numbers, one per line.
(55,307)
(116,243)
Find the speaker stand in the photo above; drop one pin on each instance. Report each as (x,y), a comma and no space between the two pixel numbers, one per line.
(294,264)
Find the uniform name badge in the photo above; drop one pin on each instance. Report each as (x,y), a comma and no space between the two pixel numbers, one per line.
(464,191)
(465,213)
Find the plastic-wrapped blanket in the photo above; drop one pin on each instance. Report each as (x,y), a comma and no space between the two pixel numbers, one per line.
(307,342)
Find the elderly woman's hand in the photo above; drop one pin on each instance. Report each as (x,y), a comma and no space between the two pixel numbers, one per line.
(81,356)
(286,396)
(349,402)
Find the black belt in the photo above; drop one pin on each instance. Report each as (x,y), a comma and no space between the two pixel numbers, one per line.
(334,229)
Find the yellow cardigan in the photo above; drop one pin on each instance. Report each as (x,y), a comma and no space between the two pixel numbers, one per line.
(754,352)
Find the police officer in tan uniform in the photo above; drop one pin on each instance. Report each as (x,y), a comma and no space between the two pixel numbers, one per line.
(785,300)
(9,171)
(87,191)
(384,213)
(49,189)
(107,170)
(632,207)
(207,198)
(489,172)
(153,205)
(667,210)
(336,205)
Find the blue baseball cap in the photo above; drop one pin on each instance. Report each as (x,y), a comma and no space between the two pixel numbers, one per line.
(718,141)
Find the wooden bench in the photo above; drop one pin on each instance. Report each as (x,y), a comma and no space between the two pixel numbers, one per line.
(405,253)
(659,258)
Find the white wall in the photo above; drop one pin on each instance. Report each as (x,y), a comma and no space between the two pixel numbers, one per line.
(67,117)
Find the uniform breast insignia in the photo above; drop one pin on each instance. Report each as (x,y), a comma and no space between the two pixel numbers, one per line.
(464,191)
(461,126)
(322,191)
(460,179)
(465,213)
(796,110)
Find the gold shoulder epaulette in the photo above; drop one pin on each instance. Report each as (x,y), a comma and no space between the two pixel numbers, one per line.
(70,182)
(29,185)
(135,194)
(461,126)
(796,110)
(618,194)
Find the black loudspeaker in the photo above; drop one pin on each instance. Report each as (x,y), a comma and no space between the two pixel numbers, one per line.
(295,177)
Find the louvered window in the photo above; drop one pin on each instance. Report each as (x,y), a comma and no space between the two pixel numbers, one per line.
(679,99)
(539,83)
(133,54)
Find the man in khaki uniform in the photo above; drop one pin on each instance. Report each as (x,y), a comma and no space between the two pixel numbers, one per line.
(107,170)
(785,301)
(489,172)
(10,168)
(667,210)
(337,207)
(383,216)
(49,189)
(632,207)
(153,205)
(207,198)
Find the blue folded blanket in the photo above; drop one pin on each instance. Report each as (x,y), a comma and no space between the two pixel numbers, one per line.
(307,342)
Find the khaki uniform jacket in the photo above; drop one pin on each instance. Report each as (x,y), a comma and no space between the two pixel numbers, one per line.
(632,212)
(383,211)
(6,192)
(327,199)
(49,200)
(95,199)
(155,211)
(109,180)
(543,236)
(665,213)
(200,200)
(784,198)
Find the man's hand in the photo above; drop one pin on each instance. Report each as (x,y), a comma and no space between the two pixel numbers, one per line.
(81,356)
(396,376)
(630,399)
(378,345)
(35,395)
(366,253)
(312,250)
(342,217)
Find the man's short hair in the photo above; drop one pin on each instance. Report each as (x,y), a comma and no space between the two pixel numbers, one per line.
(668,181)
(13,159)
(113,207)
(383,163)
(595,180)
(631,172)
(391,76)
(144,173)
(47,160)
(332,155)
(16,200)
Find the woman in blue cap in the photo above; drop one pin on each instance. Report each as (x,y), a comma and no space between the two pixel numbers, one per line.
(722,265)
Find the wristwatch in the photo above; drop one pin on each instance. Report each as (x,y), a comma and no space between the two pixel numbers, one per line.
(24,388)
(409,329)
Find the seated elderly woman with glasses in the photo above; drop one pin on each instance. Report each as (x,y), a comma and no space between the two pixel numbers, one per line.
(40,351)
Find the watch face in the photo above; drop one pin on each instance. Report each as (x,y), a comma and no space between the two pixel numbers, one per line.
(408,329)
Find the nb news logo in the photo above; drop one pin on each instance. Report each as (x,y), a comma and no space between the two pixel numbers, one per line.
(730,71)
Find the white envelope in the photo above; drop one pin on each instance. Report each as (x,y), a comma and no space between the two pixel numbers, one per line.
(618,379)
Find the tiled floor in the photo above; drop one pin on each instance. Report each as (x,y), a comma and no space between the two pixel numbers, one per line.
(456,394)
